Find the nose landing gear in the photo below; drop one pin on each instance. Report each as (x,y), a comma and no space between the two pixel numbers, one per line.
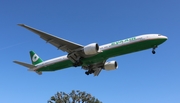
(153,49)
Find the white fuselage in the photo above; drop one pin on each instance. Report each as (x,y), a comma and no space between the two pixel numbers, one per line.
(105,47)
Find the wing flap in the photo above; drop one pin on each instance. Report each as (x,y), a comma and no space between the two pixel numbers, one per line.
(97,71)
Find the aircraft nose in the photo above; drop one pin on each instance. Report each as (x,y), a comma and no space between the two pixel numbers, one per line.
(165,37)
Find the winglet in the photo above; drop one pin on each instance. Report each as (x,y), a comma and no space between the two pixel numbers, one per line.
(21,24)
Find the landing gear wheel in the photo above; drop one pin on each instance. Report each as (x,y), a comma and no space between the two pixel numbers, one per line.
(77,64)
(153,49)
(87,73)
(91,71)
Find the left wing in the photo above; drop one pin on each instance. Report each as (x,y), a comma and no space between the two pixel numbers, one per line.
(60,43)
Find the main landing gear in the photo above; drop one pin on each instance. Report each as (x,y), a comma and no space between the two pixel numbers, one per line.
(75,58)
(89,72)
(79,63)
(153,49)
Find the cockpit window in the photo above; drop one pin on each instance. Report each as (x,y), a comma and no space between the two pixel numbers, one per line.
(159,35)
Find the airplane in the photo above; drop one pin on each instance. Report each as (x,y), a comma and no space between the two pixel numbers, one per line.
(92,57)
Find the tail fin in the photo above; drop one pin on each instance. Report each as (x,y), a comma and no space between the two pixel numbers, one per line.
(35,59)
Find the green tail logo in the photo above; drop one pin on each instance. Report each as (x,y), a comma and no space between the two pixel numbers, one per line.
(35,59)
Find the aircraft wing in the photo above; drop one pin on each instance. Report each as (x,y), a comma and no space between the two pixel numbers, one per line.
(60,43)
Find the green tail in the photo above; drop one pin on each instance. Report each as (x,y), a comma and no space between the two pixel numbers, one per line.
(35,59)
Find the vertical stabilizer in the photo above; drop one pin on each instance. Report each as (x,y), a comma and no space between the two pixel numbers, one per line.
(35,59)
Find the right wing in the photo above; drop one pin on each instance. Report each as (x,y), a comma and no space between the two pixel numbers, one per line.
(60,43)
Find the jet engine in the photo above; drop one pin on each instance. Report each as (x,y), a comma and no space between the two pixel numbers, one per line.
(91,49)
(112,65)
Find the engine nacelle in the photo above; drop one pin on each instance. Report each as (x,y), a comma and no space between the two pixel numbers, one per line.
(112,65)
(91,49)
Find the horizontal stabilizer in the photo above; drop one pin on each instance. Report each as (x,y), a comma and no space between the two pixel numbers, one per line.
(30,66)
